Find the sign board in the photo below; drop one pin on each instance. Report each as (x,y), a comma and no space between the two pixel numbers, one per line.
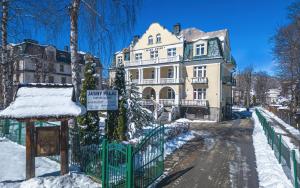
(47,141)
(102,100)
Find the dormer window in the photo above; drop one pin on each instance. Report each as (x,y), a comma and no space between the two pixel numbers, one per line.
(158,38)
(119,60)
(138,56)
(150,39)
(200,49)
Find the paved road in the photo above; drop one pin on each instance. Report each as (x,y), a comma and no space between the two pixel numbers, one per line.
(221,156)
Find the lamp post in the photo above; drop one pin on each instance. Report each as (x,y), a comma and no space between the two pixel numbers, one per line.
(297,118)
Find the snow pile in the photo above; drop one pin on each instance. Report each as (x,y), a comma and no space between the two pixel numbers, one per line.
(238,109)
(270,172)
(184,120)
(175,143)
(12,162)
(288,127)
(66,181)
(42,102)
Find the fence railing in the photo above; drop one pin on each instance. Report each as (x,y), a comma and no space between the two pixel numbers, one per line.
(285,155)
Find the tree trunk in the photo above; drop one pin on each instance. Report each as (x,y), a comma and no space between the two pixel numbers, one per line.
(5,74)
(74,11)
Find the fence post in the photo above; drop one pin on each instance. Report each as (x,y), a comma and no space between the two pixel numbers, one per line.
(20,133)
(280,148)
(129,167)
(273,134)
(104,162)
(6,126)
(295,168)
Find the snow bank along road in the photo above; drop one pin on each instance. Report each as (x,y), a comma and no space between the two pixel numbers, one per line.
(270,172)
(221,155)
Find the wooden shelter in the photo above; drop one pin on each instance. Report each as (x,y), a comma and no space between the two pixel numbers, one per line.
(44,102)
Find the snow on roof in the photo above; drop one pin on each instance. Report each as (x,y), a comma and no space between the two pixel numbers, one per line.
(194,34)
(43,101)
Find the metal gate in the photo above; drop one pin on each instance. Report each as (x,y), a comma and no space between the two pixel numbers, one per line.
(125,166)
(117,165)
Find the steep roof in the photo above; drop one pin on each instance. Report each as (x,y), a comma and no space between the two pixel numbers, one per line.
(43,101)
(194,34)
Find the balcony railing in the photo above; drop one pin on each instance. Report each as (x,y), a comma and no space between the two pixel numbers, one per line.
(201,102)
(200,80)
(147,102)
(148,81)
(167,102)
(153,61)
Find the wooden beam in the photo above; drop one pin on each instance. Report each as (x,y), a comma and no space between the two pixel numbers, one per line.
(64,147)
(30,150)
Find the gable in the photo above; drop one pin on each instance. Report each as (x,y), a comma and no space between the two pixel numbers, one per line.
(167,37)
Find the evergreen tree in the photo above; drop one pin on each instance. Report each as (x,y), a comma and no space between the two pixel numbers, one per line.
(88,123)
(116,126)
(137,116)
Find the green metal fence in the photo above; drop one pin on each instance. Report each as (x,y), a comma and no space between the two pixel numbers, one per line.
(286,156)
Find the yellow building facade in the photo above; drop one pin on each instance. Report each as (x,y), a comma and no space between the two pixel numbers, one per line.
(188,69)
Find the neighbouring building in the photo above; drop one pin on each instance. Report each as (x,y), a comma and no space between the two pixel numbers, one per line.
(273,96)
(190,70)
(36,63)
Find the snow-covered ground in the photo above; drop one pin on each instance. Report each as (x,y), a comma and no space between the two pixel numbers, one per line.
(288,127)
(12,170)
(270,172)
(182,120)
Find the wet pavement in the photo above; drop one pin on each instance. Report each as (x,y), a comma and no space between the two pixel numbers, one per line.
(221,155)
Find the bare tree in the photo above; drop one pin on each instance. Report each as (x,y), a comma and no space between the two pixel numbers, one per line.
(287,53)
(246,83)
(261,86)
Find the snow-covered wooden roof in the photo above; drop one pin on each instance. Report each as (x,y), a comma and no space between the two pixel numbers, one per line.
(43,101)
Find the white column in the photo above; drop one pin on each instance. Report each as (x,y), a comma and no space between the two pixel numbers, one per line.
(178,73)
(127,75)
(158,75)
(139,75)
(142,75)
(155,73)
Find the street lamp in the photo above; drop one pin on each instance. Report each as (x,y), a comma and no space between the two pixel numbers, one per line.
(297,118)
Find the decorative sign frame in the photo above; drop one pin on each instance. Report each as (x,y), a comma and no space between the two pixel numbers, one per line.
(102,100)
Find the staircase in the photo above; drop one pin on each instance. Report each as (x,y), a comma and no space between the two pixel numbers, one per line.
(164,116)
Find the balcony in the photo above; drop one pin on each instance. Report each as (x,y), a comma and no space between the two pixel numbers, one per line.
(167,102)
(199,80)
(147,102)
(170,80)
(229,80)
(201,102)
(152,61)
(148,81)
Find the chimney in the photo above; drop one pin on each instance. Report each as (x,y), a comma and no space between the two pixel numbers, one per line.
(135,39)
(66,48)
(177,28)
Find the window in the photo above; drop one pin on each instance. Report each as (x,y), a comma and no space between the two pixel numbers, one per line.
(51,67)
(200,93)
(200,49)
(51,79)
(152,74)
(170,73)
(158,38)
(61,68)
(200,71)
(138,56)
(153,54)
(63,80)
(171,52)
(137,75)
(119,59)
(150,39)
(171,94)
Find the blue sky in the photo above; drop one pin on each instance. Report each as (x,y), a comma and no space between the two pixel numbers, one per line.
(251,23)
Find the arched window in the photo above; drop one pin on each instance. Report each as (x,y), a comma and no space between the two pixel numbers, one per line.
(150,39)
(158,38)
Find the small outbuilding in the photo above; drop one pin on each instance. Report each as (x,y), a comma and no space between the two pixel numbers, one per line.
(44,102)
